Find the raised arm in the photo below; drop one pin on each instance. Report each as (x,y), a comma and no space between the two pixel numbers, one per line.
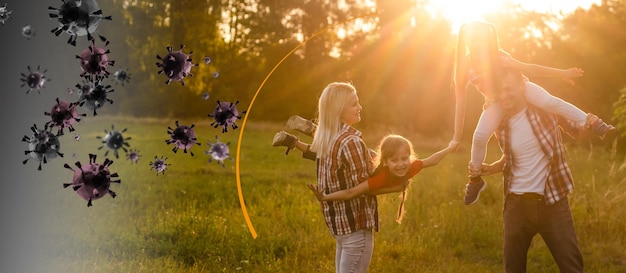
(546,71)
(438,156)
(460,82)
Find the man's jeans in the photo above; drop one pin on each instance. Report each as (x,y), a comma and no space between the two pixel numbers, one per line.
(354,251)
(525,217)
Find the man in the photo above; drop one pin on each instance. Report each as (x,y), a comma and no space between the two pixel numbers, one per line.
(537,179)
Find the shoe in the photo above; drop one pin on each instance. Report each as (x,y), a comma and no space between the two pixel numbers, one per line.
(473,190)
(285,139)
(300,124)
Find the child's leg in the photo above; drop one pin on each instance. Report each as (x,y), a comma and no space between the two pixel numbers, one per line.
(489,121)
(539,97)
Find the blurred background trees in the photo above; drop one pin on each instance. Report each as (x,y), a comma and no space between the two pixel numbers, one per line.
(397,54)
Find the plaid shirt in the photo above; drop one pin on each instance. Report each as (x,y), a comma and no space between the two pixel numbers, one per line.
(348,164)
(546,127)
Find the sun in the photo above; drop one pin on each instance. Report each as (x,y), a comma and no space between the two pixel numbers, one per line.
(461,11)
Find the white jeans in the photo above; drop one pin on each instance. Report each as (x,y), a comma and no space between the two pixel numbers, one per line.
(491,117)
(354,251)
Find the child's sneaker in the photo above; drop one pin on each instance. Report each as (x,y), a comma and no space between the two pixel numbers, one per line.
(601,128)
(473,188)
(303,125)
(285,139)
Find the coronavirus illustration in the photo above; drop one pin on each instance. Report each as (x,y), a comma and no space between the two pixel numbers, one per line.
(176,65)
(5,14)
(28,32)
(121,76)
(77,18)
(34,80)
(182,137)
(133,155)
(114,140)
(159,164)
(93,95)
(94,61)
(63,115)
(218,151)
(43,145)
(225,115)
(92,181)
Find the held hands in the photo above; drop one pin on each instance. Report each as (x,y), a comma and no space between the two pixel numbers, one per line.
(571,73)
(319,194)
(453,145)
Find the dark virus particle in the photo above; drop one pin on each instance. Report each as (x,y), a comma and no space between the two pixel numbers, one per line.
(93,95)
(133,155)
(218,151)
(42,145)
(5,14)
(159,164)
(176,65)
(77,18)
(207,60)
(205,96)
(114,140)
(92,181)
(94,61)
(63,115)
(76,137)
(225,114)
(35,80)
(183,137)
(28,32)
(121,76)
(216,74)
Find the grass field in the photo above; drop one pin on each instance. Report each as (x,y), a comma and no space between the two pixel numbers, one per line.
(190,219)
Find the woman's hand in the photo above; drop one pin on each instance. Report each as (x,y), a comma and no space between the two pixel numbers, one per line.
(319,194)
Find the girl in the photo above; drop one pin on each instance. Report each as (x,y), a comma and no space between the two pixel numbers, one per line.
(396,163)
(477,60)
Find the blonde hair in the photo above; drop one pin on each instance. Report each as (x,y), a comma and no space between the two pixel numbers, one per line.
(389,146)
(332,102)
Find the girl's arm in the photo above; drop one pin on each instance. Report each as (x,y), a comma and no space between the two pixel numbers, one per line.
(545,71)
(396,187)
(438,156)
(460,89)
(346,194)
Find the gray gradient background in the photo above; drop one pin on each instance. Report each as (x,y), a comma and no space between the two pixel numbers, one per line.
(31,213)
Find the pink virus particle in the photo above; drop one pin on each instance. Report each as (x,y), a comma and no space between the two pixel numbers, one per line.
(114,140)
(225,115)
(218,151)
(121,76)
(159,164)
(63,115)
(176,65)
(182,137)
(28,32)
(93,95)
(94,61)
(92,181)
(5,14)
(34,80)
(42,145)
(77,18)
(133,155)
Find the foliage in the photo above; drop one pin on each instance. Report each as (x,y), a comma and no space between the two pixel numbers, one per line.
(619,116)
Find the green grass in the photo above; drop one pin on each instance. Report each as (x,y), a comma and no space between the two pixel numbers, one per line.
(190,218)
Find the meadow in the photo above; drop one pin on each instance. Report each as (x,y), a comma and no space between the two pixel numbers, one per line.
(189,219)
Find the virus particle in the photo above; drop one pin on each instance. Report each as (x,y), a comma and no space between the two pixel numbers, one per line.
(76,137)
(183,137)
(218,151)
(176,65)
(205,96)
(93,95)
(159,164)
(28,32)
(207,60)
(42,145)
(133,156)
(77,18)
(92,181)
(216,74)
(5,14)
(225,115)
(63,115)
(121,76)
(35,80)
(114,140)
(94,61)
